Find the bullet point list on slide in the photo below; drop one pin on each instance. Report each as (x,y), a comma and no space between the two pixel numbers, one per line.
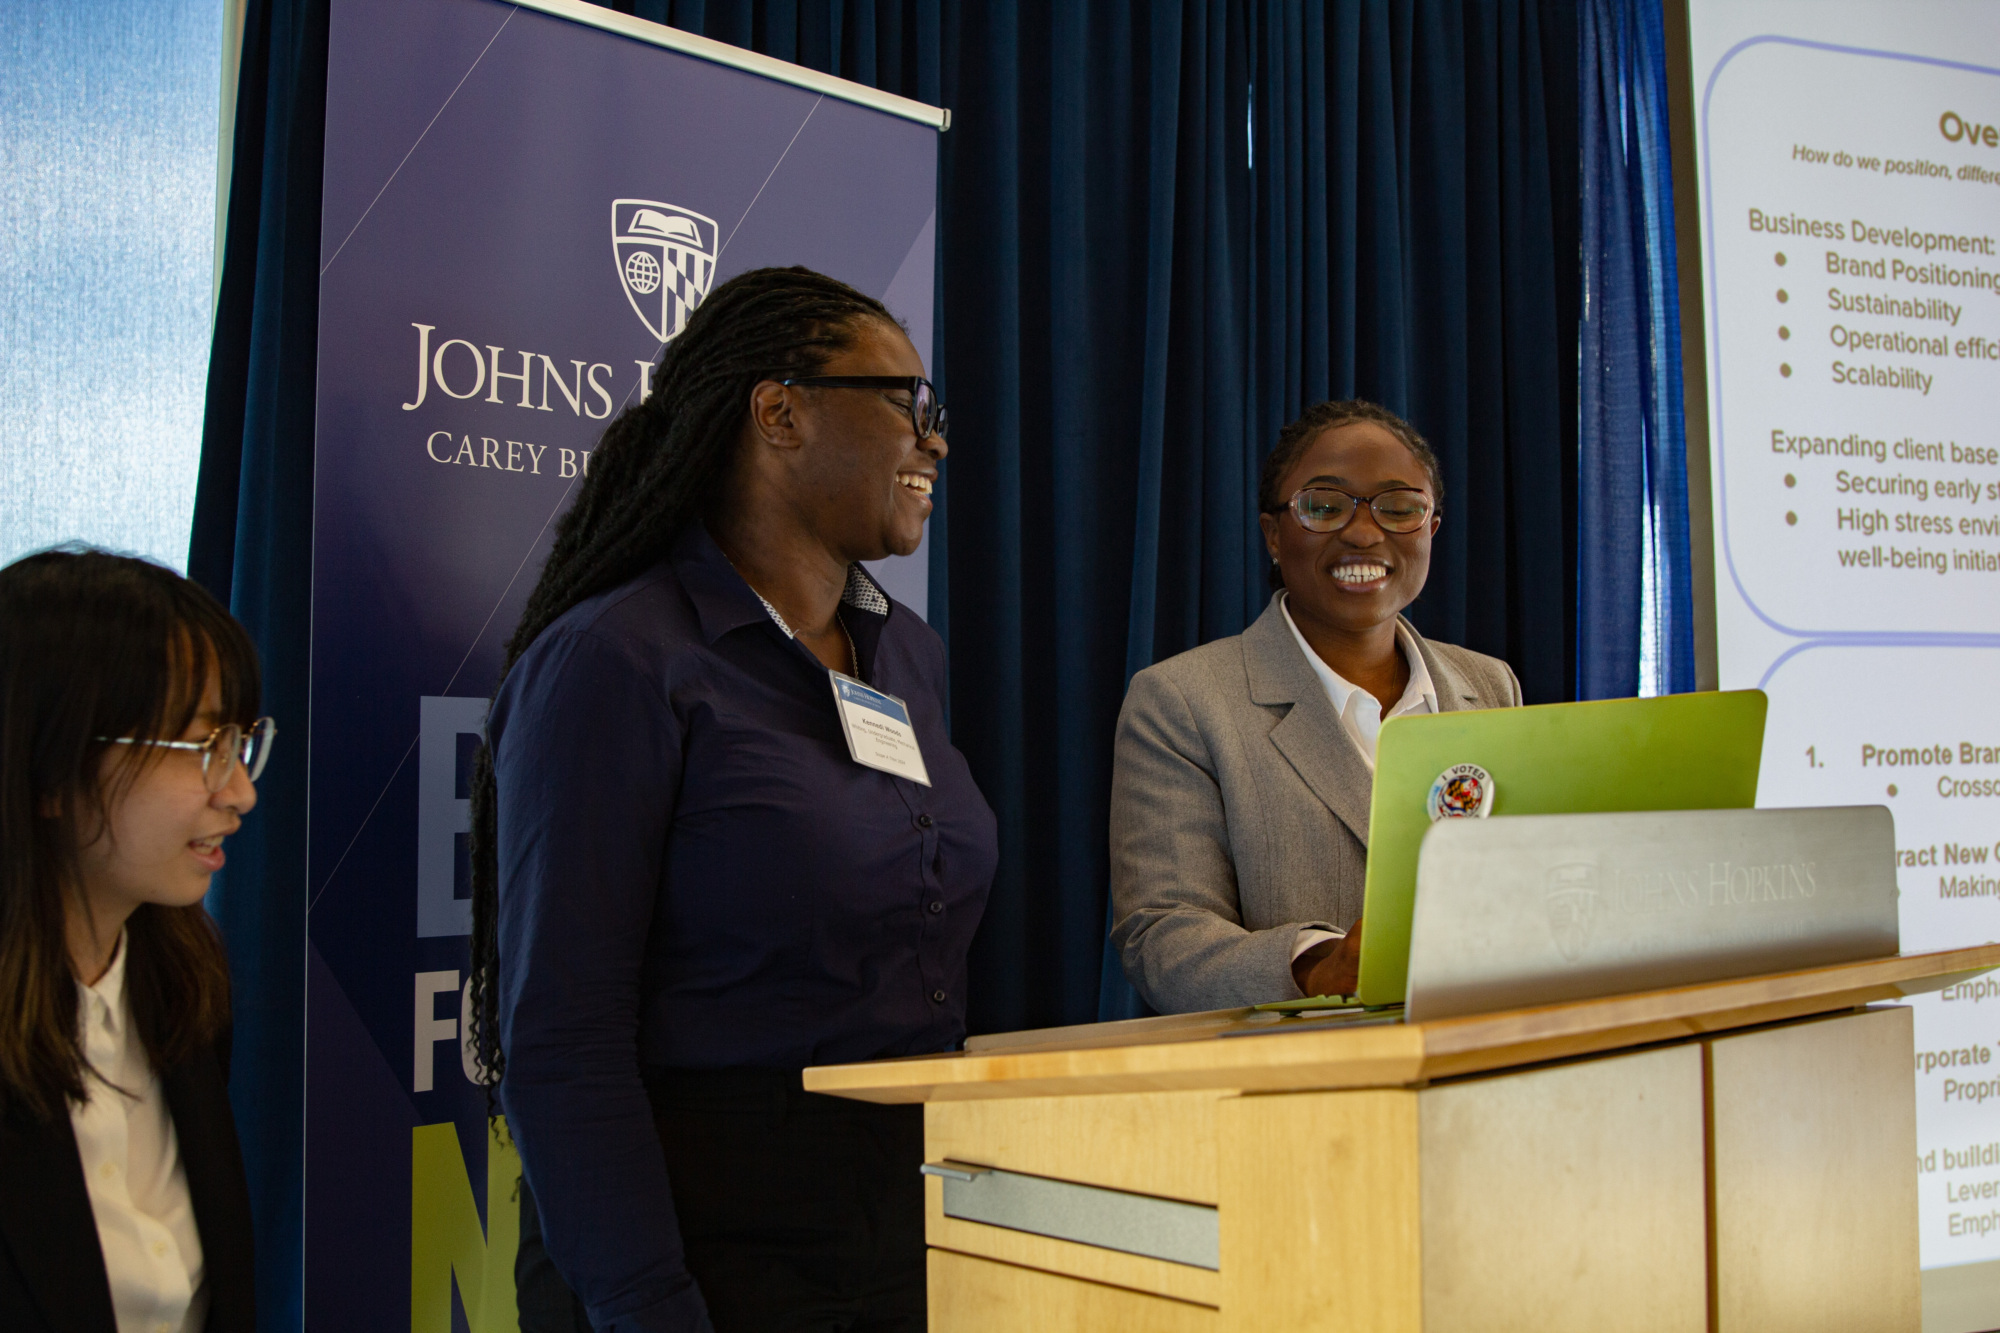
(1853,444)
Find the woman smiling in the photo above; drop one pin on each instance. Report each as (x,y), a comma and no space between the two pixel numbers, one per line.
(724,835)
(129,740)
(1243,770)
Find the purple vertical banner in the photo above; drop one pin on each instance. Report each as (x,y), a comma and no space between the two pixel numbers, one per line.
(521,207)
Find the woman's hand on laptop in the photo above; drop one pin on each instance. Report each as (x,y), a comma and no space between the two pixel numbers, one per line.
(1330,967)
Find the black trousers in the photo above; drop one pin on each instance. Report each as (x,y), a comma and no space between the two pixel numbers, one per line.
(797,1211)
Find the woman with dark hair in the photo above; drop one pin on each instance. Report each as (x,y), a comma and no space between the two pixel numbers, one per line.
(1243,769)
(697,868)
(129,743)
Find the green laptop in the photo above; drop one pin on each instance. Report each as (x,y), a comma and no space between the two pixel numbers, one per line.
(1679,752)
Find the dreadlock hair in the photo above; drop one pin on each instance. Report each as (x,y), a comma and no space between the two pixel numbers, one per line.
(1315,421)
(661,465)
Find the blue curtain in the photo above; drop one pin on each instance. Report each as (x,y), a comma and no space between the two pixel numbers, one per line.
(251,545)
(1164,228)
(1097,297)
(1635,603)
(1416,238)
(1411,223)
(894,45)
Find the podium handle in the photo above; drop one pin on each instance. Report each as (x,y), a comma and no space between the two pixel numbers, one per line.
(964,1171)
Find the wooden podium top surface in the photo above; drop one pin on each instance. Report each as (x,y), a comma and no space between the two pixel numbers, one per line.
(1247,1050)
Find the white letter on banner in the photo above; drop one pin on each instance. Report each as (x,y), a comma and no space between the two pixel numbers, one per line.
(431,1029)
(423,364)
(442,814)
(527,370)
(478,364)
(572,396)
(603,392)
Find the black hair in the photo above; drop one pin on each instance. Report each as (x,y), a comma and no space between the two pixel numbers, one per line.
(1322,417)
(95,646)
(662,464)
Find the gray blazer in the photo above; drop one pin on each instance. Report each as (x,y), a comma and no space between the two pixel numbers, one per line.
(1239,812)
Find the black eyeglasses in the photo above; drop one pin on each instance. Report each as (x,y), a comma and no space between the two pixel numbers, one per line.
(927,414)
(226,746)
(1329,509)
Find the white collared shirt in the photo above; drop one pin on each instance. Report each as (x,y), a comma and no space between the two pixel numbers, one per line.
(132,1167)
(1361,717)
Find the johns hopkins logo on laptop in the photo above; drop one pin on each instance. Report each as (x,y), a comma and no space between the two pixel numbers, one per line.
(1570,891)
(666,260)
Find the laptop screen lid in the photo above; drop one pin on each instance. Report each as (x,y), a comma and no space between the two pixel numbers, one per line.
(1678,752)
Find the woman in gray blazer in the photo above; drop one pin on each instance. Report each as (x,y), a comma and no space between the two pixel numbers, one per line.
(1243,770)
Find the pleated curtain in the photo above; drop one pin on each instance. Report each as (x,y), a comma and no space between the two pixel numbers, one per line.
(251,545)
(1634,582)
(1164,229)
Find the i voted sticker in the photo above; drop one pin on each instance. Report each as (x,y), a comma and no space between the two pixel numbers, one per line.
(1463,791)
(879,734)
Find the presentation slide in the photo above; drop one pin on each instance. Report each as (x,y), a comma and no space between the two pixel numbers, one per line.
(1848,167)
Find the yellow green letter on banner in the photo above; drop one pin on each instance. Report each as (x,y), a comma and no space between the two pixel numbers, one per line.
(447,1240)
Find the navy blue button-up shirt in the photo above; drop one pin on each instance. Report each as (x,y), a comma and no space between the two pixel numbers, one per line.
(695,873)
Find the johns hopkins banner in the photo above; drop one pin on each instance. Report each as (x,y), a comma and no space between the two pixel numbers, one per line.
(522,206)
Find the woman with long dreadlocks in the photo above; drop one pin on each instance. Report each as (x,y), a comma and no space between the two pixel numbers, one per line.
(687,883)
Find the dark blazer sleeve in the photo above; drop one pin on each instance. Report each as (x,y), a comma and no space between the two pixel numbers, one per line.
(51,1269)
(197,1095)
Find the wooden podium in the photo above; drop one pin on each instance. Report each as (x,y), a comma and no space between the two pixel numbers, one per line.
(1738,1156)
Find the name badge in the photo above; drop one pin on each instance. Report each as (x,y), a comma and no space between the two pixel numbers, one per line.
(878,729)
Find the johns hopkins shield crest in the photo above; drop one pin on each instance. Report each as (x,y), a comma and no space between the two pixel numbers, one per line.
(1570,893)
(666,259)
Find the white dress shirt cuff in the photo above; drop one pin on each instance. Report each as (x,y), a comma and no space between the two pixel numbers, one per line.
(1312,935)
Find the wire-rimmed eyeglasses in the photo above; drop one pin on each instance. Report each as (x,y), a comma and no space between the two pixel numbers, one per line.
(1404,509)
(927,413)
(226,746)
